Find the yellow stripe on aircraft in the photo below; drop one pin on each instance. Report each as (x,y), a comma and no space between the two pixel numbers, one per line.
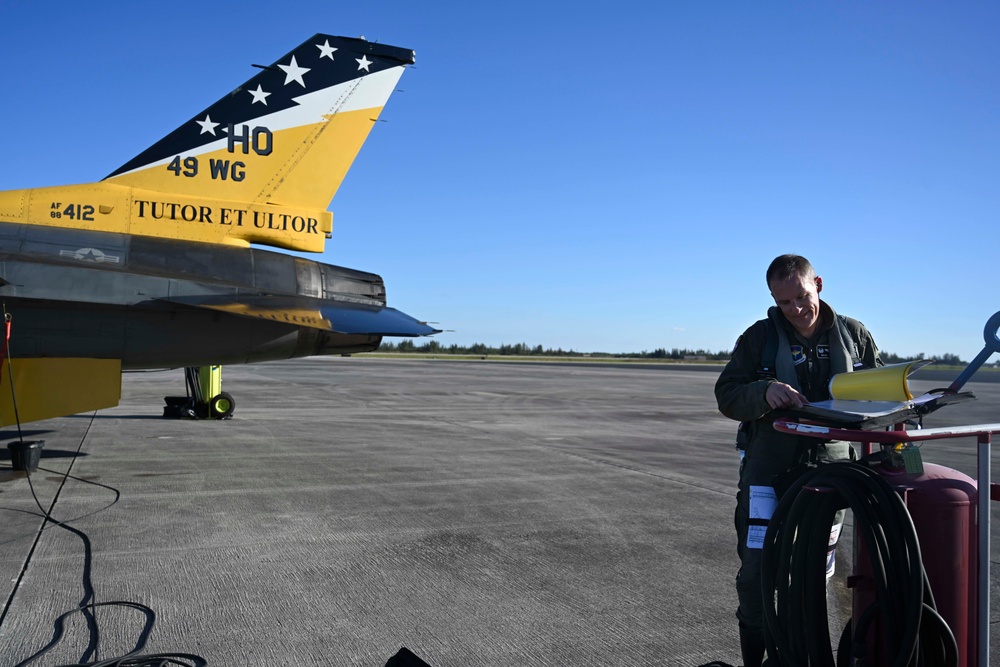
(300,166)
(106,207)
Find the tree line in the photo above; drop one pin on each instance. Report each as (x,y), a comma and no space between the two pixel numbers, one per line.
(674,354)
(524,350)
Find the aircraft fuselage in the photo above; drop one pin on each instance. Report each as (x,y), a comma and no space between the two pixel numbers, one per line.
(76,293)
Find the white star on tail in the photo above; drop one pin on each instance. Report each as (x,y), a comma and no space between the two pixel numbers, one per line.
(363,63)
(325,50)
(294,73)
(259,95)
(207,125)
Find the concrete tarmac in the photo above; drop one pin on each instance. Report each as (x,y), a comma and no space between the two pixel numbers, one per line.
(478,513)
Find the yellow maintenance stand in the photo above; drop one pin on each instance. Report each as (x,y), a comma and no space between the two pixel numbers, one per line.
(205,398)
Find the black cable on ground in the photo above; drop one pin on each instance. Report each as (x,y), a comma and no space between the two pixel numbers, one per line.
(130,659)
(88,605)
(794,574)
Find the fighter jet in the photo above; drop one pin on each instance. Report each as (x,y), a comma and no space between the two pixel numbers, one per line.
(152,267)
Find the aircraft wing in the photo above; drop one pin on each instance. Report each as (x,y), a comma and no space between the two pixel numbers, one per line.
(52,387)
(338,316)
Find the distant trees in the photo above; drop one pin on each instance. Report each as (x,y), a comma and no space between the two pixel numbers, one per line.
(524,350)
(943,359)
(950,360)
(675,354)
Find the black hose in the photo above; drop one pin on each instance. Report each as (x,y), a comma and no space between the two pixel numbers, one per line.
(793,576)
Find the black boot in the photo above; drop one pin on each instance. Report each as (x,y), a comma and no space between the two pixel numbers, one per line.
(752,647)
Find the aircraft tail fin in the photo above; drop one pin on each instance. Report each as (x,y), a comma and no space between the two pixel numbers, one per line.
(287,136)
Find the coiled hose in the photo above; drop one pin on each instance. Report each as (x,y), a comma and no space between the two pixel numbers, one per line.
(793,576)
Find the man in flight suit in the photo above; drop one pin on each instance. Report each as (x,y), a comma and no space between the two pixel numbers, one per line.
(809,343)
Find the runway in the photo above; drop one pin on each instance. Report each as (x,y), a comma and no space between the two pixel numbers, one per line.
(477,513)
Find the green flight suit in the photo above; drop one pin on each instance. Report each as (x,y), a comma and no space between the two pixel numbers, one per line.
(740,391)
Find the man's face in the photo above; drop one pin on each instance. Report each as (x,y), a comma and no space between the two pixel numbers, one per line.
(798,299)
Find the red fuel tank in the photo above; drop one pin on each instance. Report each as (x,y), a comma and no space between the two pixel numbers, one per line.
(943,505)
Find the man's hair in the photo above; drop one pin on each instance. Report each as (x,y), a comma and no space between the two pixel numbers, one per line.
(786,267)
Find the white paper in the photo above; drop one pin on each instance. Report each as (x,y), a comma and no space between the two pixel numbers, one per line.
(763,502)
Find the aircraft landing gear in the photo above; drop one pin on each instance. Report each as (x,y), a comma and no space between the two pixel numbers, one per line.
(222,406)
(201,381)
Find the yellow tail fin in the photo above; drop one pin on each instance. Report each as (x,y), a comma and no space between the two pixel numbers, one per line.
(259,166)
(287,136)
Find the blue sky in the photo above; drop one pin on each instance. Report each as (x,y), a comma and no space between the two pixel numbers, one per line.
(589,175)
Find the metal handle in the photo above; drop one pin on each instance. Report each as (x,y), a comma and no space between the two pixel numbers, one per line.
(991,334)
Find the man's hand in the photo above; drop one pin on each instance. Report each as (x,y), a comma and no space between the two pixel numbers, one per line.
(781,395)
